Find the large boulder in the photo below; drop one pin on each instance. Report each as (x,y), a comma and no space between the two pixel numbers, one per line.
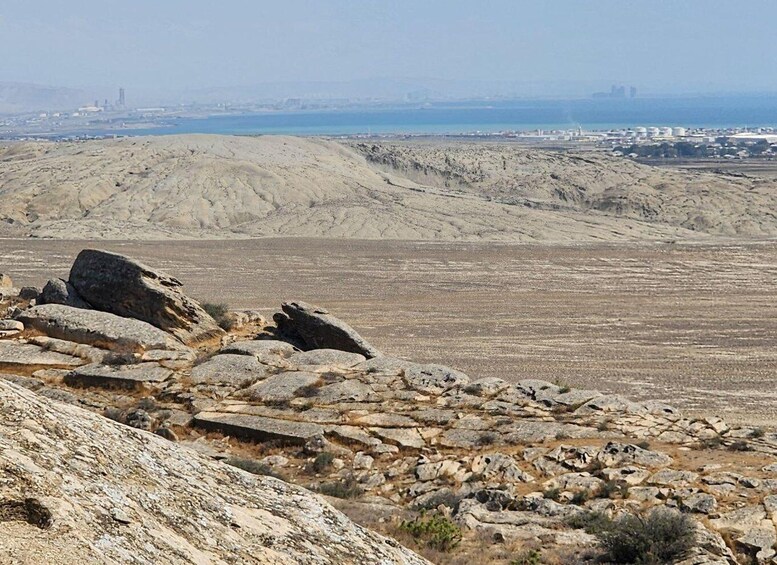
(120,285)
(317,329)
(79,488)
(100,329)
(58,291)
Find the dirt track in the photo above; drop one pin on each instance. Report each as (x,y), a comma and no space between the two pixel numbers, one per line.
(693,325)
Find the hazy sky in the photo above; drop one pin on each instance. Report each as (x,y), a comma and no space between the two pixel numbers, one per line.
(660,45)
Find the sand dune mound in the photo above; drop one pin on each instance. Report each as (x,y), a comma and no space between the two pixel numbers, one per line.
(222,186)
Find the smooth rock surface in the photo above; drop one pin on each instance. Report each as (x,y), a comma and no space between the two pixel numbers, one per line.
(133,497)
(230,370)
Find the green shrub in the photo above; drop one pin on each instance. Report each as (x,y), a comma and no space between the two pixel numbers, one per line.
(347,488)
(740,445)
(552,493)
(611,489)
(663,536)
(219,313)
(528,557)
(757,432)
(581,497)
(435,531)
(487,438)
(252,466)
(591,522)
(644,444)
(322,461)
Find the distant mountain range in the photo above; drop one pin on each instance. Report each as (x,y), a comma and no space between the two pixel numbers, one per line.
(21,97)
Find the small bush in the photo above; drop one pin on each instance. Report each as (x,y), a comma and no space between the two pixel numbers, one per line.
(252,466)
(219,313)
(757,432)
(644,444)
(436,531)
(487,438)
(581,497)
(591,522)
(322,461)
(552,493)
(347,488)
(740,445)
(118,358)
(308,391)
(663,536)
(611,489)
(528,557)
(711,443)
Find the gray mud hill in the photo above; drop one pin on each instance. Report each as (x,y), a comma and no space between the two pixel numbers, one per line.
(209,186)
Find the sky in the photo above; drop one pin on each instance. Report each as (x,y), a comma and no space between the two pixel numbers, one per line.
(670,46)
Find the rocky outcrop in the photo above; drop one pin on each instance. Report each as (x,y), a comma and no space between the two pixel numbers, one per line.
(57,291)
(79,488)
(316,328)
(120,285)
(92,327)
(522,461)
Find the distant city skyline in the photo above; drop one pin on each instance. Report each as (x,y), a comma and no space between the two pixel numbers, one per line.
(180,49)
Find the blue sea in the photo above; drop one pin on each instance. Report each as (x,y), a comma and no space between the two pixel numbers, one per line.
(462,118)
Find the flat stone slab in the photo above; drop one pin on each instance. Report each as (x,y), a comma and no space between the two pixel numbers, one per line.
(402,437)
(327,357)
(15,354)
(125,376)
(434,379)
(282,386)
(347,391)
(11,325)
(229,369)
(263,349)
(258,427)
(100,329)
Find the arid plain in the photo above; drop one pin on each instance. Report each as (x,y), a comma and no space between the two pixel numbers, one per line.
(692,324)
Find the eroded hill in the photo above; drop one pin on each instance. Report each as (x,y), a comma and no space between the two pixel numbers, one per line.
(238,187)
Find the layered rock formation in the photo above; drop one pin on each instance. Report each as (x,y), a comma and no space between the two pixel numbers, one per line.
(117,284)
(521,463)
(79,488)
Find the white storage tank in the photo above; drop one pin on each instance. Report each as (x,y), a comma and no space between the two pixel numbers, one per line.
(679,132)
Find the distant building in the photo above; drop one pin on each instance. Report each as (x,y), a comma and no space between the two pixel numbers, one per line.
(121,102)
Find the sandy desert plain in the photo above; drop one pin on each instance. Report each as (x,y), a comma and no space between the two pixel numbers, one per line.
(496,260)
(692,325)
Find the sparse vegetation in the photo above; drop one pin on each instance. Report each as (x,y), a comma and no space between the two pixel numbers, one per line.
(486,438)
(435,531)
(740,445)
(611,489)
(322,462)
(581,497)
(347,488)
(218,312)
(644,444)
(552,493)
(528,557)
(660,537)
(252,466)
(757,433)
